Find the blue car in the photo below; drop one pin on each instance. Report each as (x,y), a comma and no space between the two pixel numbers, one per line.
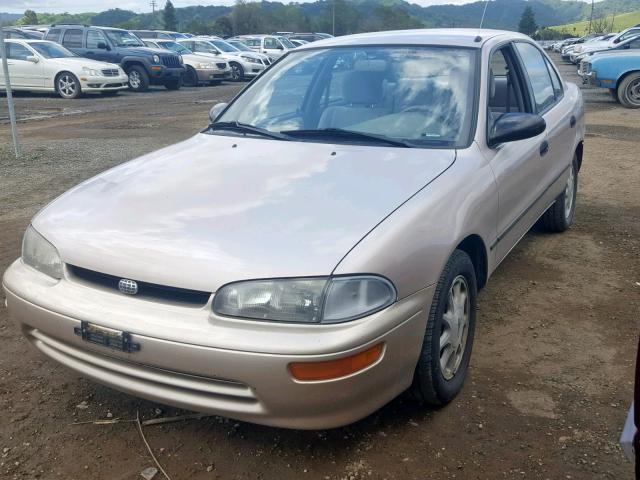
(620,73)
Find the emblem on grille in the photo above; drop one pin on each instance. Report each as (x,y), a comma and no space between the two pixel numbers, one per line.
(130,287)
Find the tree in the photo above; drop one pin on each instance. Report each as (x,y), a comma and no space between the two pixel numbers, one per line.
(30,18)
(169,16)
(528,22)
(247,18)
(223,26)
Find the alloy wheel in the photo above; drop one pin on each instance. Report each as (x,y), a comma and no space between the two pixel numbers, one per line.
(134,79)
(67,85)
(455,327)
(633,92)
(235,72)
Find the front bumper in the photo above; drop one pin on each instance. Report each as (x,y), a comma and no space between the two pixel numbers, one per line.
(104,84)
(191,359)
(160,72)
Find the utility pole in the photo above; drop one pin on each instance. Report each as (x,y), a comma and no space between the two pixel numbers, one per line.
(591,17)
(333,19)
(154,4)
(7,84)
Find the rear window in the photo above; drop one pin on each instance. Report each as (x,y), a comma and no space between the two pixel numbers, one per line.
(72,38)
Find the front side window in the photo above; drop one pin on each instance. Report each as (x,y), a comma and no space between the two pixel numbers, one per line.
(72,38)
(205,47)
(536,69)
(224,46)
(51,50)
(124,39)
(94,37)
(270,43)
(421,95)
(174,47)
(15,51)
(285,41)
(555,80)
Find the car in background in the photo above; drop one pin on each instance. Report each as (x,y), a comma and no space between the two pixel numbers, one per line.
(199,68)
(298,43)
(630,437)
(273,46)
(318,249)
(144,66)
(618,72)
(242,47)
(308,37)
(43,66)
(557,47)
(567,50)
(609,42)
(243,65)
(165,34)
(15,32)
(582,59)
(628,43)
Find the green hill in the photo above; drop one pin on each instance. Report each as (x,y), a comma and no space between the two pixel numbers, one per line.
(609,23)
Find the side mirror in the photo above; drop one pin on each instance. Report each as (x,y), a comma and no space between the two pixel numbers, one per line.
(510,127)
(216,110)
(102,46)
(280,47)
(33,59)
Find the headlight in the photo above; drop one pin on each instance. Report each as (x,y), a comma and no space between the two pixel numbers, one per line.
(250,59)
(91,72)
(205,66)
(305,300)
(156,59)
(38,253)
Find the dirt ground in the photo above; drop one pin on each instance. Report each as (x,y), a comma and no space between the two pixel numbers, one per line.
(552,369)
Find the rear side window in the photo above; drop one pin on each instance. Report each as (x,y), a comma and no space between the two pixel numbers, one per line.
(53,34)
(536,69)
(72,38)
(555,80)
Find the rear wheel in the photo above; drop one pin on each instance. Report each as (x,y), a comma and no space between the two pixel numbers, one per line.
(237,72)
(190,78)
(68,85)
(138,79)
(446,349)
(629,90)
(559,216)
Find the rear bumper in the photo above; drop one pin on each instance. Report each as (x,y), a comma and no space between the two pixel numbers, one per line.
(251,386)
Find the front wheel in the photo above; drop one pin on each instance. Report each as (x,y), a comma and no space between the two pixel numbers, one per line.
(68,85)
(446,348)
(629,91)
(138,79)
(237,72)
(559,216)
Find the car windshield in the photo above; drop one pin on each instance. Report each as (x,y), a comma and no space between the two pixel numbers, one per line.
(124,39)
(224,46)
(51,50)
(174,47)
(285,41)
(421,95)
(241,46)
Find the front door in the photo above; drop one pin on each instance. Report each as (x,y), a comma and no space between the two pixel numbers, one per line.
(22,72)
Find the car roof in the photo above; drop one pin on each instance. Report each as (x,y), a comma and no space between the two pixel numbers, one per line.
(28,40)
(454,37)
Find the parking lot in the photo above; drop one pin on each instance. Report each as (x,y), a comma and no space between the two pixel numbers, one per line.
(551,375)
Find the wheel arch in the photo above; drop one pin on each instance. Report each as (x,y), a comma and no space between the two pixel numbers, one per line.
(130,63)
(580,153)
(474,246)
(625,75)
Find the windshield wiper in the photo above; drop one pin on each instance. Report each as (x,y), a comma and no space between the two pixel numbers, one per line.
(246,128)
(347,134)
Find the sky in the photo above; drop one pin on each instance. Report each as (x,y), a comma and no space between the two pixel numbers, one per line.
(75,6)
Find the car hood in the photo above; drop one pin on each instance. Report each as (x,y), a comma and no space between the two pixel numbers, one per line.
(199,58)
(216,209)
(146,51)
(77,63)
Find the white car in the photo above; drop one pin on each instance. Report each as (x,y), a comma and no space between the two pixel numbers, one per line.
(243,65)
(271,45)
(242,47)
(609,43)
(44,66)
(200,68)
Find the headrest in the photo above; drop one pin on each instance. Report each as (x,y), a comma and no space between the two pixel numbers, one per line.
(373,65)
(363,87)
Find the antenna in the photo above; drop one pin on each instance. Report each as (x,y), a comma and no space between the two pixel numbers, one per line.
(479,38)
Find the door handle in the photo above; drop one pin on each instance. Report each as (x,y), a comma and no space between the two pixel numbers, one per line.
(544,148)
(572,122)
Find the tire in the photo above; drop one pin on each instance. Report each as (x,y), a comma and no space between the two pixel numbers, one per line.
(173,84)
(614,95)
(190,78)
(437,381)
(237,72)
(559,216)
(138,79)
(629,90)
(68,86)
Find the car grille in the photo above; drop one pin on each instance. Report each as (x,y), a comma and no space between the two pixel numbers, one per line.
(221,66)
(145,289)
(171,61)
(584,67)
(110,72)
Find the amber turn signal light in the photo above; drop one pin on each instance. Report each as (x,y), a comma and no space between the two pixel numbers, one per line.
(314,371)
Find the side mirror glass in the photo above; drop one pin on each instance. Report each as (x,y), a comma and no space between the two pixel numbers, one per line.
(216,110)
(33,59)
(102,45)
(510,127)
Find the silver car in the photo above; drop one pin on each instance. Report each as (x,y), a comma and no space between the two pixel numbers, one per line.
(318,248)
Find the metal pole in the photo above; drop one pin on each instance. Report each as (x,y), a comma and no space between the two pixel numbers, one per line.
(591,17)
(333,20)
(7,84)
